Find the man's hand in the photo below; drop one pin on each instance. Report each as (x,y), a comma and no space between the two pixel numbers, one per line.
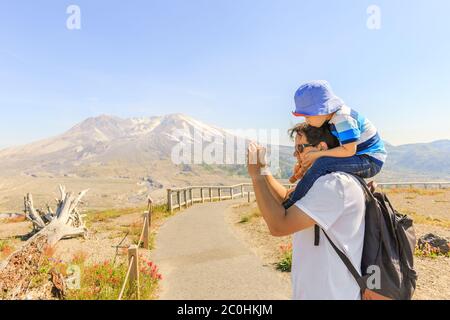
(256,159)
(253,163)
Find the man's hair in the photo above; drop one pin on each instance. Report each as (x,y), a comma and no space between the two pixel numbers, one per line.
(315,135)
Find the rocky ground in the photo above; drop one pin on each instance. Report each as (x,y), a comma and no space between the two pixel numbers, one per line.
(429,208)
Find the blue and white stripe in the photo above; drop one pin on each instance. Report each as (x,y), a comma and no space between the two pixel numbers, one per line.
(349,126)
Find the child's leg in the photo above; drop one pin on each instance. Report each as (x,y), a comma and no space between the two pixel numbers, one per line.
(362,166)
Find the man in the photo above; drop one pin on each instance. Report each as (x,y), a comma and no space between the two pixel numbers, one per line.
(335,202)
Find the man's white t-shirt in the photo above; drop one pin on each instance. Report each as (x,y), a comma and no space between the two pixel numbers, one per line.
(336,202)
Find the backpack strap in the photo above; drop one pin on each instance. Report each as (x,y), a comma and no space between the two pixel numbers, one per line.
(360,280)
(316,235)
(367,192)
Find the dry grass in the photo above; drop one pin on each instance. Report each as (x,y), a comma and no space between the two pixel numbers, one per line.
(426,220)
(254,213)
(414,191)
(13,220)
(108,215)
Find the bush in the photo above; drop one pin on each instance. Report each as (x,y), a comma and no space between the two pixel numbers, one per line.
(104,281)
(428,251)
(5,248)
(285,263)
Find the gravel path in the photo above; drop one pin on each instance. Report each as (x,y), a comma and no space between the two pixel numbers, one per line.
(200,258)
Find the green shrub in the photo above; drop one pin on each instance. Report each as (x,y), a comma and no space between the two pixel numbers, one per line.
(285,263)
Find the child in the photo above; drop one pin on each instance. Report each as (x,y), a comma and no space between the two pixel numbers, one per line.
(361,151)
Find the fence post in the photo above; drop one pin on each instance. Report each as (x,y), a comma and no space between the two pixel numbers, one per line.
(185,198)
(231,193)
(169,200)
(146,225)
(150,212)
(134,273)
(179,199)
(242,190)
(188,193)
(203,196)
(210,195)
(191,196)
(249,196)
(220,194)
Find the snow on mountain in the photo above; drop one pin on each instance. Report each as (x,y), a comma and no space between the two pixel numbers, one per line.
(106,139)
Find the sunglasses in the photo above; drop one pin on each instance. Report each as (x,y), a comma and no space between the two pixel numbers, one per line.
(301,147)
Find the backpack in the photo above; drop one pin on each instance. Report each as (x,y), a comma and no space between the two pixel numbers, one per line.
(389,244)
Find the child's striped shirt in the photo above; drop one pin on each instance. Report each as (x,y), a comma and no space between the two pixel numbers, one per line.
(349,126)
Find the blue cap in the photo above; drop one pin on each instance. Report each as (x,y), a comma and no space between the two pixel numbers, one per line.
(316,98)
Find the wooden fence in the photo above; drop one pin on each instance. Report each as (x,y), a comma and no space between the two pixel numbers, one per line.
(186,197)
(132,276)
(425,185)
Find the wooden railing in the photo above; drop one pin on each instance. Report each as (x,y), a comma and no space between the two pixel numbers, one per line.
(425,185)
(186,197)
(132,276)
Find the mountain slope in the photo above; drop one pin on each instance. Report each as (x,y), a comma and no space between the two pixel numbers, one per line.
(110,147)
(418,162)
(107,146)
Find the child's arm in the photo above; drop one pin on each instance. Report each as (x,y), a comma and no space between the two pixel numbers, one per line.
(344,151)
(298,173)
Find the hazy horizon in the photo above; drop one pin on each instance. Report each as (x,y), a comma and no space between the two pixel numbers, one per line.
(287,141)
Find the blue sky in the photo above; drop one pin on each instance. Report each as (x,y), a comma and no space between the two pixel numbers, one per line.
(234,64)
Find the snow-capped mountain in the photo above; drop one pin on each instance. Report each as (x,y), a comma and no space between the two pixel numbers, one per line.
(121,161)
(106,140)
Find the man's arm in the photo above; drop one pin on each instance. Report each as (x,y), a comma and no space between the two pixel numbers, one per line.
(281,222)
(279,192)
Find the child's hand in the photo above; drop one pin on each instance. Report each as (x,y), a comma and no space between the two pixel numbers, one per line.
(309,158)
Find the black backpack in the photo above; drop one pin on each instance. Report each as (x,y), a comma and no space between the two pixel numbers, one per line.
(389,244)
